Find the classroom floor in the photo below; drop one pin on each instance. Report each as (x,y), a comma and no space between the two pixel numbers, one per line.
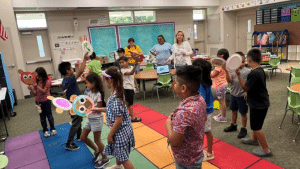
(286,152)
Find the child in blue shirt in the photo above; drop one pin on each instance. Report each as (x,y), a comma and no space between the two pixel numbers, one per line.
(205,91)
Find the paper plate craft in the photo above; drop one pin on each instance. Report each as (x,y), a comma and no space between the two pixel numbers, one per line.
(87,47)
(60,103)
(28,78)
(217,62)
(82,104)
(233,62)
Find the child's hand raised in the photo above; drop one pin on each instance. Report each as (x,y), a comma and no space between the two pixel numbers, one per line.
(86,56)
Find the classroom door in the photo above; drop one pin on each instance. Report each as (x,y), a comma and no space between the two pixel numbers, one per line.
(244,37)
(36,48)
(10,62)
(199,29)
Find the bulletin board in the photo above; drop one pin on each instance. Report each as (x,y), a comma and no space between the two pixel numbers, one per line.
(103,39)
(107,39)
(145,36)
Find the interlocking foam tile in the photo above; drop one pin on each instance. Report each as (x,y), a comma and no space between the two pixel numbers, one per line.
(265,165)
(172,166)
(138,108)
(22,141)
(72,159)
(159,126)
(207,165)
(56,146)
(44,164)
(104,132)
(144,135)
(205,141)
(137,124)
(62,131)
(158,153)
(151,116)
(26,155)
(228,156)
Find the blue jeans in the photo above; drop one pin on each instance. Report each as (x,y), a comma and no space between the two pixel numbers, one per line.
(46,113)
(197,165)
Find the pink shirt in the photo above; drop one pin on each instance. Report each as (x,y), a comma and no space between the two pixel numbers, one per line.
(220,80)
(189,119)
(42,97)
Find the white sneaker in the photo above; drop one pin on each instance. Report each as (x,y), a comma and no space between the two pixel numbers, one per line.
(116,167)
(46,134)
(217,116)
(53,132)
(208,156)
(221,119)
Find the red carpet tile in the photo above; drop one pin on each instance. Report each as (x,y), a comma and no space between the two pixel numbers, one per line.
(228,156)
(138,108)
(151,116)
(265,165)
(159,126)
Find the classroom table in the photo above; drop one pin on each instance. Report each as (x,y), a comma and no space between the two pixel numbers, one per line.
(58,82)
(2,99)
(149,75)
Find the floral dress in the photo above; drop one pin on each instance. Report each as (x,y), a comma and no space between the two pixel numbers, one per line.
(123,138)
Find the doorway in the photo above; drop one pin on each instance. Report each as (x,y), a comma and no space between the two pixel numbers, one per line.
(36,51)
(245,29)
(199,34)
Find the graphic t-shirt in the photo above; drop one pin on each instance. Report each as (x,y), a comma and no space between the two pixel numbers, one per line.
(96,97)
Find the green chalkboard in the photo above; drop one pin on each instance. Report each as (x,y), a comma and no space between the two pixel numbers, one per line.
(145,36)
(104,40)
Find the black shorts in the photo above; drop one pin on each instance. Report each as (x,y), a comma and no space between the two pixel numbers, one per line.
(257,118)
(238,103)
(129,94)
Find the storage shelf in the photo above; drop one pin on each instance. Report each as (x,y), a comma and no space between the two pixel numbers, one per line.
(266,46)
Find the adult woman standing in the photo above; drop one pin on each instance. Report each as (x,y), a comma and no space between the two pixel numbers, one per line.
(181,51)
(162,51)
(133,50)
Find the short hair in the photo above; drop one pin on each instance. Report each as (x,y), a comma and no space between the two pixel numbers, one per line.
(130,40)
(189,76)
(224,53)
(93,56)
(240,53)
(121,50)
(255,55)
(161,37)
(63,67)
(124,58)
(206,68)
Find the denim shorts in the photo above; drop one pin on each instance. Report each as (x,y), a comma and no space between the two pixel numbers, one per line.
(238,103)
(197,165)
(94,124)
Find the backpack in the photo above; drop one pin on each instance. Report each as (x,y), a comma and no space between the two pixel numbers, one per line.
(258,38)
(271,38)
(264,39)
(283,39)
(277,38)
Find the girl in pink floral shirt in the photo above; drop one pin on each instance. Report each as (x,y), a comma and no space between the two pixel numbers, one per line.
(185,126)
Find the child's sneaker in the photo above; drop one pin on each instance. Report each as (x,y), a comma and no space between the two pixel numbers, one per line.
(77,139)
(208,156)
(221,119)
(243,133)
(217,116)
(53,132)
(232,127)
(72,146)
(116,167)
(46,134)
(96,156)
(38,108)
(103,163)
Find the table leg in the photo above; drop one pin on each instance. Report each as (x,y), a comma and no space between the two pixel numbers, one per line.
(4,138)
(144,85)
(6,110)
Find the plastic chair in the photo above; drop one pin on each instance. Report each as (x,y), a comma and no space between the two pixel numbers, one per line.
(293,105)
(294,80)
(163,81)
(150,65)
(295,72)
(148,68)
(3,161)
(274,62)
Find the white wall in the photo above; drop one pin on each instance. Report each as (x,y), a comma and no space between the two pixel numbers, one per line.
(112,3)
(8,19)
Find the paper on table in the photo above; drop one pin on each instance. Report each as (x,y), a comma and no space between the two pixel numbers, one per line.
(3,93)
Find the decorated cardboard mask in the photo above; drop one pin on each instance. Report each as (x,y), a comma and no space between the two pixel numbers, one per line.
(28,78)
(82,104)
(61,104)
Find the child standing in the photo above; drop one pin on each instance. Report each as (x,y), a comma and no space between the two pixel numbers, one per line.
(41,90)
(70,85)
(237,100)
(218,76)
(185,126)
(120,138)
(95,65)
(205,91)
(121,53)
(258,100)
(128,84)
(95,119)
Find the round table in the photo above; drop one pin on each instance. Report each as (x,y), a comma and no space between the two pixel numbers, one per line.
(149,75)
(295,87)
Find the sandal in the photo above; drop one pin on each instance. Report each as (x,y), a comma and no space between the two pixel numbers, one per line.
(136,119)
